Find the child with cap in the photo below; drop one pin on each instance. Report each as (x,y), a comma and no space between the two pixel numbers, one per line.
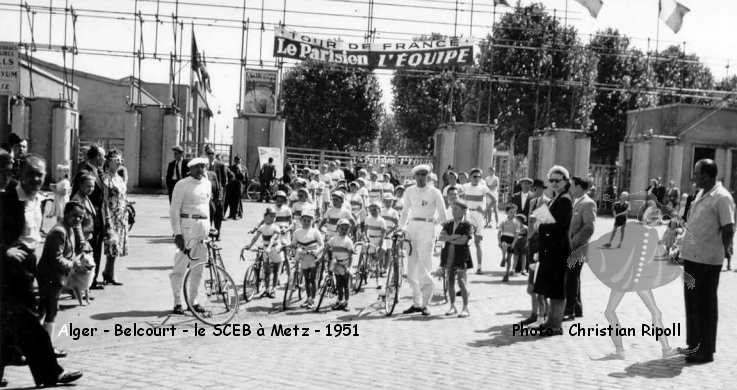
(374,228)
(520,245)
(308,243)
(341,251)
(334,214)
(269,233)
(455,256)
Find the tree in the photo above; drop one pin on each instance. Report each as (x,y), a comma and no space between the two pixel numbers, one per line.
(426,98)
(392,138)
(544,77)
(622,71)
(676,69)
(330,107)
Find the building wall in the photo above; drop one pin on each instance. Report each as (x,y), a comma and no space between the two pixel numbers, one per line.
(45,84)
(152,125)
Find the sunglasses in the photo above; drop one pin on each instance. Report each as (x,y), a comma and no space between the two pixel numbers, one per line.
(421,173)
(555,180)
(475,177)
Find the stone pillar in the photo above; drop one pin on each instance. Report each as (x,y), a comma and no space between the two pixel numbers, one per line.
(21,124)
(240,139)
(720,157)
(132,149)
(675,163)
(277,134)
(548,146)
(61,138)
(486,149)
(640,170)
(170,137)
(445,146)
(581,156)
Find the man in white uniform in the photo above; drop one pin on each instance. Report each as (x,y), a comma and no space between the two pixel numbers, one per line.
(422,205)
(475,194)
(492,181)
(189,214)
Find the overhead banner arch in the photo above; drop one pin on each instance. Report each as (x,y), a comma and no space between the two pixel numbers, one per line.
(386,55)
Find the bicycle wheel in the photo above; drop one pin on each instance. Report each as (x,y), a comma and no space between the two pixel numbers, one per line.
(361,272)
(251,281)
(253,191)
(214,290)
(326,290)
(289,288)
(391,294)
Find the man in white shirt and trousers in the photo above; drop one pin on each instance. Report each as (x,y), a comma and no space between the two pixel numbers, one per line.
(190,220)
(423,208)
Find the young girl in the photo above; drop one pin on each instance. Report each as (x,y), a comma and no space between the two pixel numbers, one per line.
(621,209)
(456,256)
(507,236)
(520,245)
(63,244)
(341,249)
(62,191)
(270,234)
(308,242)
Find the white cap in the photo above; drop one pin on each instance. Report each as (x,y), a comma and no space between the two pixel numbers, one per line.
(420,168)
(197,161)
(308,212)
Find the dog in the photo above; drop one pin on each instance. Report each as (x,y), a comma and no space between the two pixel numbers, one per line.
(80,279)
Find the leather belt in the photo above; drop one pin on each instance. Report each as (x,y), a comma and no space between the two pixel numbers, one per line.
(431,220)
(193,216)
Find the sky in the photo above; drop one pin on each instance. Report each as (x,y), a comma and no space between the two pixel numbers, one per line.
(708,31)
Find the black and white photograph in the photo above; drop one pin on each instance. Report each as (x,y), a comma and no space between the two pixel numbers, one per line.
(368,194)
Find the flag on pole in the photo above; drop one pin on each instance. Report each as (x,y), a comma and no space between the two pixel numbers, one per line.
(594,6)
(502,2)
(672,13)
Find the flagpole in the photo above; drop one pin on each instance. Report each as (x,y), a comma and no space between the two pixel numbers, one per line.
(657,29)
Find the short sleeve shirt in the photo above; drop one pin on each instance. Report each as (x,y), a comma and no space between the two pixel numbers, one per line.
(708,214)
(374,228)
(308,239)
(474,195)
(268,231)
(334,215)
(391,217)
(341,247)
(283,216)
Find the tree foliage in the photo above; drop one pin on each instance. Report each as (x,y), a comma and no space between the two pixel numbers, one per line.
(331,107)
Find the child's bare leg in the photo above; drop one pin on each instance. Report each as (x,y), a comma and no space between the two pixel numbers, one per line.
(621,238)
(464,288)
(450,281)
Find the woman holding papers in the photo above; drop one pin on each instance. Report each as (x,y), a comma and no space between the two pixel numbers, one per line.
(554,248)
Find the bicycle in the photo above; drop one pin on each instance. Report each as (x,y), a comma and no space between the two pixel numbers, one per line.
(216,286)
(255,276)
(367,263)
(327,285)
(394,271)
(294,279)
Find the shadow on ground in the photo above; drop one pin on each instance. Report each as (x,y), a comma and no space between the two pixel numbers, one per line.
(130,314)
(653,369)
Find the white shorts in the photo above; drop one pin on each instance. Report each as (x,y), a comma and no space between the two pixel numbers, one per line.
(476,219)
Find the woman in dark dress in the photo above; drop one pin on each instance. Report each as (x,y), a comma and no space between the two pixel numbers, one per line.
(554,251)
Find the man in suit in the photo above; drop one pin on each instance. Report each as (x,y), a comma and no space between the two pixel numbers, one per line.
(522,198)
(579,233)
(234,192)
(266,177)
(20,236)
(177,169)
(219,186)
(93,166)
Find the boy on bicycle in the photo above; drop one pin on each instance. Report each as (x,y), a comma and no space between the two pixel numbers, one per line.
(309,244)
(341,250)
(270,233)
(374,228)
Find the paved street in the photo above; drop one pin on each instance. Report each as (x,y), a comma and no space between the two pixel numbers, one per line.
(414,351)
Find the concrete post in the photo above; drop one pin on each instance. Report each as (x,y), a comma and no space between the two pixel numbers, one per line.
(720,157)
(170,137)
(61,138)
(640,171)
(277,134)
(581,156)
(132,151)
(445,146)
(486,149)
(21,124)
(240,138)
(548,144)
(675,163)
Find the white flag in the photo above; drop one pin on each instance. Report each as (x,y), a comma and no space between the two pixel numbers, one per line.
(594,6)
(672,13)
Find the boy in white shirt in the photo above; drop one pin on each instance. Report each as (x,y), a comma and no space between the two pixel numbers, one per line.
(341,250)
(335,214)
(375,230)
(308,242)
(269,232)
